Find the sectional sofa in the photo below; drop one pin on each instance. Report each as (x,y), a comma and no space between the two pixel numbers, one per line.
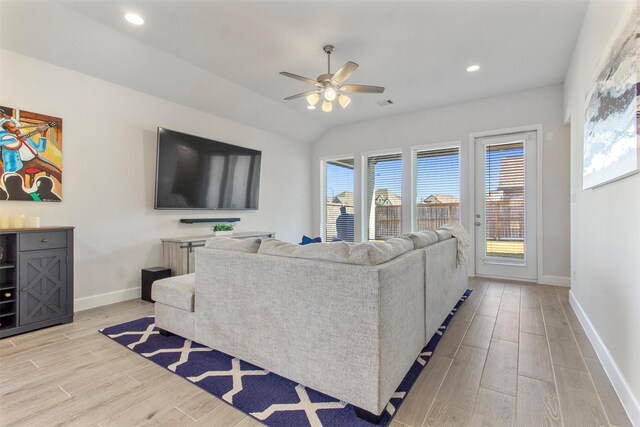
(345,319)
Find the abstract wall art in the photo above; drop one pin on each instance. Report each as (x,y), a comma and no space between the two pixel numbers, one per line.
(612,117)
(30,156)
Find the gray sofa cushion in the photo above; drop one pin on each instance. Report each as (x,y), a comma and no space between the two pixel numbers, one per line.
(443,234)
(237,245)
(422,239)
(367,253)
(176,291)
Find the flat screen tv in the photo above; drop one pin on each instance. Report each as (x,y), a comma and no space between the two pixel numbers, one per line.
(199,173)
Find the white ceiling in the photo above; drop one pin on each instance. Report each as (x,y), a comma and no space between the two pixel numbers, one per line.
(418,50)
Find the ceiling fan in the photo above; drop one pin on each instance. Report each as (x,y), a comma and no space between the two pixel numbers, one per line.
(330,86)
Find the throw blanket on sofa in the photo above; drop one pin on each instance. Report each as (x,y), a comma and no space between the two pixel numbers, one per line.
(464,241)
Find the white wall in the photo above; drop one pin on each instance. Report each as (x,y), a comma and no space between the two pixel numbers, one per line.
(605,223)
(114,55)
(109,152)
(456,123)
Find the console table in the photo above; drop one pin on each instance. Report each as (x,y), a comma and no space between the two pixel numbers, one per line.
(178,255)
(36,278)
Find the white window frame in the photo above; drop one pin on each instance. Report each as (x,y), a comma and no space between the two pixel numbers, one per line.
(363,230)
(414,174)
(323,188)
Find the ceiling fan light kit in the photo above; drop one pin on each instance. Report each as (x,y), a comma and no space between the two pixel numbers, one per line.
(330,93)
(313,99)
(330,86)
(343,100)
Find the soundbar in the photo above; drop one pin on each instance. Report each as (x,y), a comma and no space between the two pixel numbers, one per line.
(196,220)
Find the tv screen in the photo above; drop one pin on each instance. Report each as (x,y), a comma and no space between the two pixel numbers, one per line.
(199,173)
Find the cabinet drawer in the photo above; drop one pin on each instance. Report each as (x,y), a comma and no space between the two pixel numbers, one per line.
(43,240)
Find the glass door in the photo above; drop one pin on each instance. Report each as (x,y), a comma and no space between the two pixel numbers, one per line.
(505,206)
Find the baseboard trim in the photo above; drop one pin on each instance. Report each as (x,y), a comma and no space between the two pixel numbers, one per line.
(93,301)
(555,281)
(629,401)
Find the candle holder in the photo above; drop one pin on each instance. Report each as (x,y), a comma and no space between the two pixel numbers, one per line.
(18,221)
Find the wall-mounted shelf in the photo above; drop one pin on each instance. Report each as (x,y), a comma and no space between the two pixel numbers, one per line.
(196,220)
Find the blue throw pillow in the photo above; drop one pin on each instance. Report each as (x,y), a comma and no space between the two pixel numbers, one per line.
(306,240)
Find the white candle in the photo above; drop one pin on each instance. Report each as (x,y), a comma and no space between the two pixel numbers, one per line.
(33,222)
(4,221)
(18,221)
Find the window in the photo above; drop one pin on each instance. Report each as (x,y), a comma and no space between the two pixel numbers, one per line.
(383,202)
(339,202)
(437,187)
(505,200)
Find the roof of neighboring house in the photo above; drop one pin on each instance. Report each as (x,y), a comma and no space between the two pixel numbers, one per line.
(385,197)
(441,198)
(344,198)
(382,197)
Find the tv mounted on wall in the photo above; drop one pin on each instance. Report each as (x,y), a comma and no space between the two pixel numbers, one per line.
(199,173)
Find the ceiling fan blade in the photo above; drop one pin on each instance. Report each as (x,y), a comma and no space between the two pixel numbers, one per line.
(300,95)
(361,89)
(297,77)
(343,73)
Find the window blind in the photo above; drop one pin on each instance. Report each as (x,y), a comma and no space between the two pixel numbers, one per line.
(384,196)
(504,215)
(437,186)
(339,202)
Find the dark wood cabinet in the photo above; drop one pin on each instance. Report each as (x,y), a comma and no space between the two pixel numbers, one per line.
(36,279)
(43,285)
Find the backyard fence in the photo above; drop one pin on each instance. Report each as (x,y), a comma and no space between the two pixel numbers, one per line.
(505,219)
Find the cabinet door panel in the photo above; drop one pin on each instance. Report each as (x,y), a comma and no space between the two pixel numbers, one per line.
(43,285)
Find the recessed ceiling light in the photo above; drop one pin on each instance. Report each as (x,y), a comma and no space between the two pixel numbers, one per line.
(311,107)
(134,18)
(473,68)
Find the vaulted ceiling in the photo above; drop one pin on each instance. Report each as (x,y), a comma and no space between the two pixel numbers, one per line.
(223,57)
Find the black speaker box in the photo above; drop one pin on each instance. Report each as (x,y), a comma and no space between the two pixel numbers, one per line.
(150,275)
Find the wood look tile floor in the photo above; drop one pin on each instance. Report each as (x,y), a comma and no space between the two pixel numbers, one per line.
(514,355)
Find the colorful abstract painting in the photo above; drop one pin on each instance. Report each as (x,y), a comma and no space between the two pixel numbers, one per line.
(612,118)
(30,156)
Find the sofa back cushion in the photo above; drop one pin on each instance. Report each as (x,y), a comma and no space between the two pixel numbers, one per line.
(236,245)
(443,234)
(422,239)
(367,253)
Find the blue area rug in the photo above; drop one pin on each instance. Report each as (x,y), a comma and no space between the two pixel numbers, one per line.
(265,396)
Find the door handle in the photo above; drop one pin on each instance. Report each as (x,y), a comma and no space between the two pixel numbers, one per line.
(24,289)
(44,240)
(478,224)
